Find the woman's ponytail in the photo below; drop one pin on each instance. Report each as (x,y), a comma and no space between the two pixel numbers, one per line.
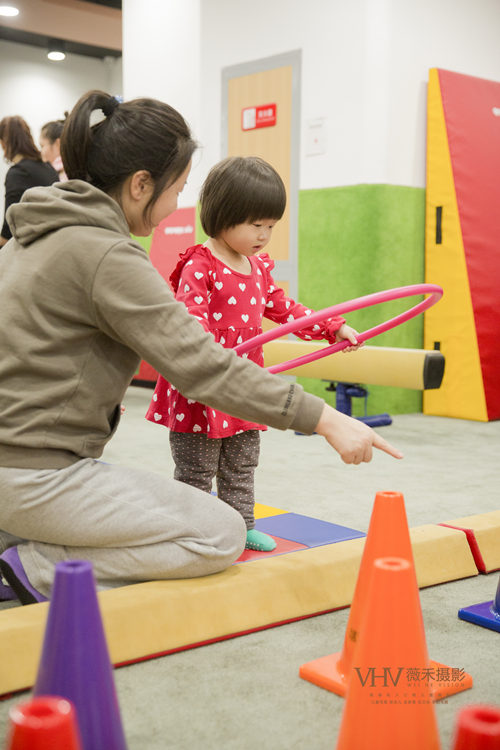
(143,134)
(77,135)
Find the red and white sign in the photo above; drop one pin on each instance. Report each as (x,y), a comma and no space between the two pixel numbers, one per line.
(170,238)
(263,116)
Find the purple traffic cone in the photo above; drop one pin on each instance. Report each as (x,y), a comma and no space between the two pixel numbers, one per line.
(75,662)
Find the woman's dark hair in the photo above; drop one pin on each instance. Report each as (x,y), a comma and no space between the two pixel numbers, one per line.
(143,134)
(17,139)
(52,130)
(239,190)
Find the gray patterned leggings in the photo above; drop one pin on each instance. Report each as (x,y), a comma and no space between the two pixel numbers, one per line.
(231,460)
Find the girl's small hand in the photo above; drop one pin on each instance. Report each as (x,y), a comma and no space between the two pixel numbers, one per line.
(346,332)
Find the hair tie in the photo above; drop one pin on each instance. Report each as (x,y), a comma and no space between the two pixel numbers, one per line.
(110,106)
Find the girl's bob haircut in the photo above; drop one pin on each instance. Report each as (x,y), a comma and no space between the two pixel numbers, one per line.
(240,190)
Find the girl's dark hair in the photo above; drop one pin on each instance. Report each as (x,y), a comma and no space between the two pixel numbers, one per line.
(143,134)
(17,139)
(52,130)
(238,190)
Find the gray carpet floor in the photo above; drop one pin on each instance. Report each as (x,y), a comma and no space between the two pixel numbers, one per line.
(245,692)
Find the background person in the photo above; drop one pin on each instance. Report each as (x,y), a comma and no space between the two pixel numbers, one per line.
(50,146)
(27,170)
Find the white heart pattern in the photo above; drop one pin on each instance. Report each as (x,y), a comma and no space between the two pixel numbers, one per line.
(231,301)
(186,288)
(191,401)
(253,301)
(222,340)
(245,317)
(198,275)
(180,417)
(155,397)
(226,270)
(196,428)
(242,287)
(225,424)
(217,316)
(157,416)
(219,284)
(270,303)
(198,299)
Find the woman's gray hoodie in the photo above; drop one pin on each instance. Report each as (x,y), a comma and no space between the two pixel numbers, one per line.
(80,305)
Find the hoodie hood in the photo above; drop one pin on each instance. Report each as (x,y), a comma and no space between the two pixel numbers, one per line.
(73,203)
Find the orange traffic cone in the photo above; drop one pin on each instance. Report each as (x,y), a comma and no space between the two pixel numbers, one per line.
(478,728)
(388,703)
(388,535)
(45,723)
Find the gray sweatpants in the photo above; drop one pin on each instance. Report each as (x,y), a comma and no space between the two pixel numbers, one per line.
(132,525)
(231,461)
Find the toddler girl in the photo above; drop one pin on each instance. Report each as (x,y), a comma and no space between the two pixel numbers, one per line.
(226,283)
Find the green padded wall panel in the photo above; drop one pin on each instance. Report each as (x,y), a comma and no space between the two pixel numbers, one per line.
(357,240)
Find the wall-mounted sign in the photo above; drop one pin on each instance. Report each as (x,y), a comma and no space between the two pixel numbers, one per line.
(170,238)
(316,136)
(258,117)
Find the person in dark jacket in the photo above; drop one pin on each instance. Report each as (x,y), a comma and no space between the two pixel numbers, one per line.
(27,170)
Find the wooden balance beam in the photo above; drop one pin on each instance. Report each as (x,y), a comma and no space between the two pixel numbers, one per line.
(418,369)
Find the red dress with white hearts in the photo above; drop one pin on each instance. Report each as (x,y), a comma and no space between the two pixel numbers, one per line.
(231,306)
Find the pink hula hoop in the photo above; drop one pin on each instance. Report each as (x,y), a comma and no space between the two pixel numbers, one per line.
(359,303)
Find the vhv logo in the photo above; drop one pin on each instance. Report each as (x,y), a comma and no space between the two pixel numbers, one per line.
(388,676)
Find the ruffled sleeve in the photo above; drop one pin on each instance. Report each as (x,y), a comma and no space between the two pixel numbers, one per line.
(194,282)
(184,257)
(282,309)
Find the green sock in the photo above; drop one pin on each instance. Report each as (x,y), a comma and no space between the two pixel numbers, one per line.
(259,541)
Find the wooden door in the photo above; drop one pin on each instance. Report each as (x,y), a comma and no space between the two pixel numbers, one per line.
(271,87)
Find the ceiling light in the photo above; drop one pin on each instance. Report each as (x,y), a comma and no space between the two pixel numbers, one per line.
(8,10)
(56,55)
(56,50)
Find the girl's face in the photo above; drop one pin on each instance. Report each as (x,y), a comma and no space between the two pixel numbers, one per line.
(50,151)
(248,238)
